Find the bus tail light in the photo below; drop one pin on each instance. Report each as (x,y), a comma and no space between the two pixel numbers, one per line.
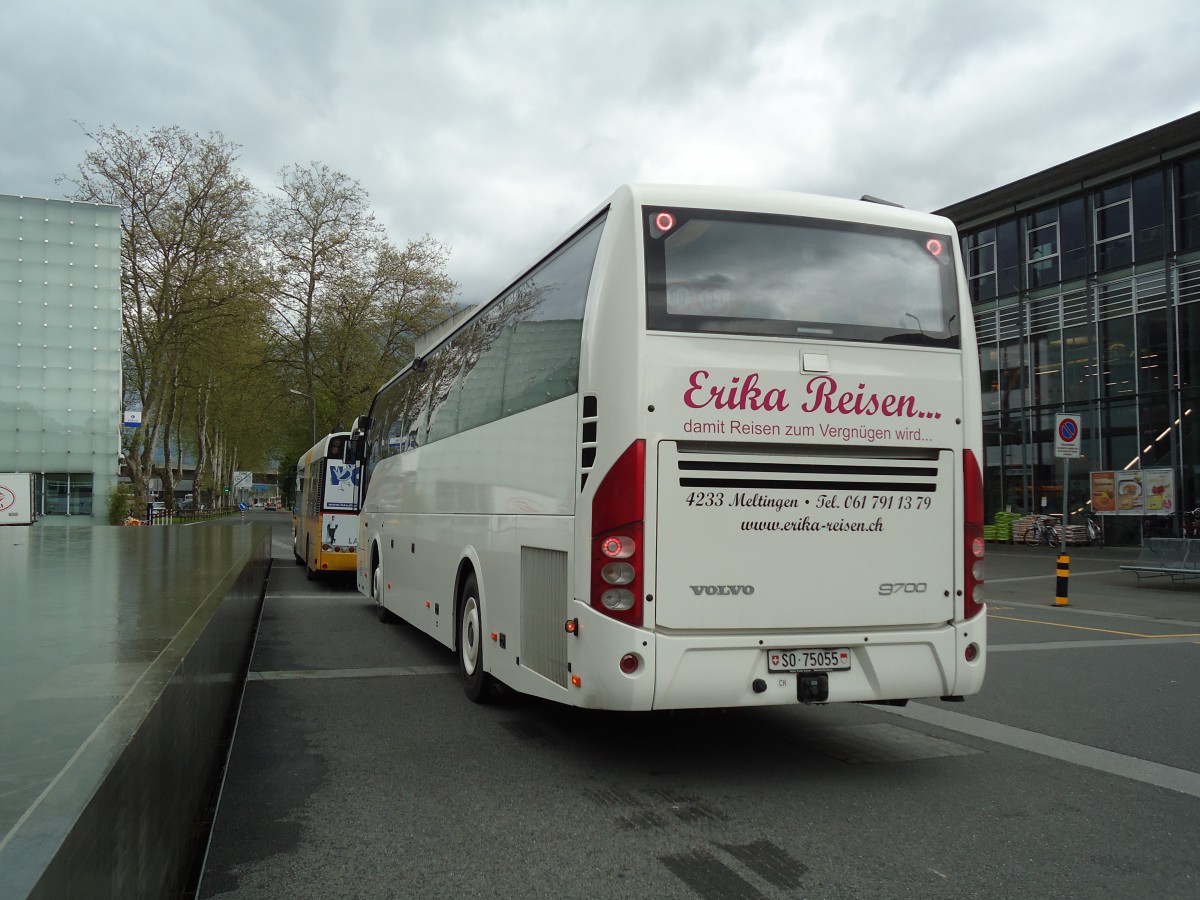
(972,536)
(617,530)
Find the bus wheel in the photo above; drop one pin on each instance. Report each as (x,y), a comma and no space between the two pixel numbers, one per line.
(377,592)
(470,643)
(296,549)
(309,573)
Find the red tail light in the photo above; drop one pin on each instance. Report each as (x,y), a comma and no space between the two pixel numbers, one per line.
(618,513)
(973,536)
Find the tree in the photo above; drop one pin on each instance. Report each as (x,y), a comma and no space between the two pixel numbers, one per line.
(348,303)
(187,223)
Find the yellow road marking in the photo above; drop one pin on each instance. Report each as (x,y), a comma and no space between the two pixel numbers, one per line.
(1086,628)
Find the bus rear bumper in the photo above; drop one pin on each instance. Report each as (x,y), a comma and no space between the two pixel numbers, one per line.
(695,671)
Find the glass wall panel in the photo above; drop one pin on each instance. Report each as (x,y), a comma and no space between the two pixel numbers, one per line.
(989,377)
(1046,360)
(1121,448)
(981,264)
(1154,354)
(1079,364)
(1013,390)
(1189,204)
(1148,217)
(1155,423)
(1189,345)
(1042,250)
(1189,446)
(1008,259)
(1112,226)
(1118,370)
(57,493)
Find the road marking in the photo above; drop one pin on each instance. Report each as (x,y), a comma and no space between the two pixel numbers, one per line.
(1091,645)
(1080,611)
(1132,634)
(1157,774)
(382,672)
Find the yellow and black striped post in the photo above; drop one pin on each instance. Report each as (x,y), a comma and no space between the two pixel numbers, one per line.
(1064,572)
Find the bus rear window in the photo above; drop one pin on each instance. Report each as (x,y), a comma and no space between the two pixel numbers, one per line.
(740,273)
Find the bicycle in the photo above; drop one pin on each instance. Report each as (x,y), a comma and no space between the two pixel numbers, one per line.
(1041,532)
(1095,533)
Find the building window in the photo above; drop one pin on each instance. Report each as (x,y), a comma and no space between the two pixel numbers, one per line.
(981,264)
(1041,248)
(1008,258)
(1112,223)
(1073,239)
(67,494)
(1148,217)
(1189,204)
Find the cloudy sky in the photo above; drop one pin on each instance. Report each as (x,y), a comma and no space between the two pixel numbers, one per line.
(494,125)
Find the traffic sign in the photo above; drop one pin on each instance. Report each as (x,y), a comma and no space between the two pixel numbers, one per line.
(1067,436)
(243,481)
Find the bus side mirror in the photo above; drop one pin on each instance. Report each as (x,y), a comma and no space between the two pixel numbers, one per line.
(355,449)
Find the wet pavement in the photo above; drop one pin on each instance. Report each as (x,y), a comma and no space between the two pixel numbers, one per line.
(95,625)
(359,769)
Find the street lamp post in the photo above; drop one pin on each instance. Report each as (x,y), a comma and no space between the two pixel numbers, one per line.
(313,405)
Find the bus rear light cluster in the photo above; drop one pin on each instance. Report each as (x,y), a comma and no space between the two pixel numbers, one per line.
(617,529)
(334,548)
(973,536)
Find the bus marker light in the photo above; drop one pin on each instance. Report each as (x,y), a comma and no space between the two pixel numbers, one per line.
(618,547)
(577,681)
(495,637)
(972,652)
(934,246)
(664,221)
(428,604)
(572,627)
(629,663)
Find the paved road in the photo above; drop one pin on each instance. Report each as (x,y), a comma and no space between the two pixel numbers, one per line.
(360,770)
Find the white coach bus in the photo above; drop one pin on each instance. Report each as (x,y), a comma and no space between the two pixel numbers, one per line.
(716,448)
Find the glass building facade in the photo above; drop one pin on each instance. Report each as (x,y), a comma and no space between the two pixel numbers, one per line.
(60,352)
(1085,281)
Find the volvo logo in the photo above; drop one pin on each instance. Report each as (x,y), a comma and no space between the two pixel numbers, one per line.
(721,590)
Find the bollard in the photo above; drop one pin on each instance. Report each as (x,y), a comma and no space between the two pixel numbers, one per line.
(1064,573)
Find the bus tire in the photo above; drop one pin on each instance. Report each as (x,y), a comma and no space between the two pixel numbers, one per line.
(296,549)
(377,589)
(470,643)
(309,572)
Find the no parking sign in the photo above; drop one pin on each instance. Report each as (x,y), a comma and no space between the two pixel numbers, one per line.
(1067,431)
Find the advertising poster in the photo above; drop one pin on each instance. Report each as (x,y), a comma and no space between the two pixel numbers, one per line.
(1145,492)
(1104,493)
(341,485)
(1158,492)
(1129,493)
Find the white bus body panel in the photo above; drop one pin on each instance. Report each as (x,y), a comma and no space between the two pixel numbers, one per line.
(796,516)
(428,513)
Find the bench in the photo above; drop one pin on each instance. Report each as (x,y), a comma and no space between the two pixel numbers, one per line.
(1174,558)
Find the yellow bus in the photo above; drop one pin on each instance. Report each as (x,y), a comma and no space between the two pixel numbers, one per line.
(325,509)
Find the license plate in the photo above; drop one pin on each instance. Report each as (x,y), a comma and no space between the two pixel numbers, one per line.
(826,660)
